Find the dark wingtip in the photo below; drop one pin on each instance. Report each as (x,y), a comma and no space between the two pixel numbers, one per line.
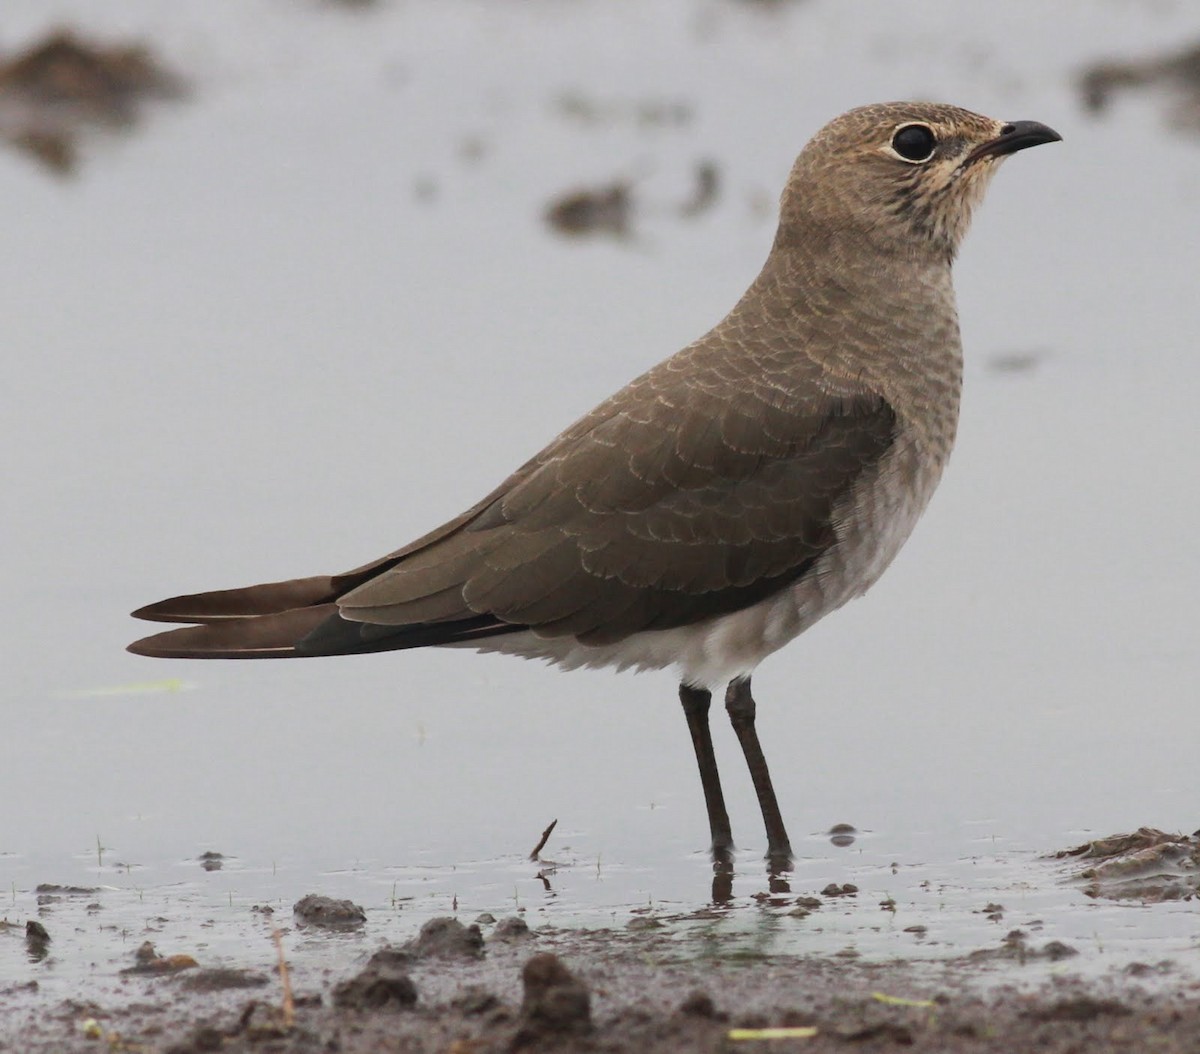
(253,637)
(223,604)
(160,611)
(200,642)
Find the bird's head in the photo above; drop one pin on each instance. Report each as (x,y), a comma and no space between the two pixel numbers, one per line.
(905,176)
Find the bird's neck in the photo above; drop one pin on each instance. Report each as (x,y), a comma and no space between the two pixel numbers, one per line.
(876,321)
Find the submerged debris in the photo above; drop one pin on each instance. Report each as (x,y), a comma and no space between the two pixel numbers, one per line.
(56,89)
(543,840)
(1178,72)
(1015,361)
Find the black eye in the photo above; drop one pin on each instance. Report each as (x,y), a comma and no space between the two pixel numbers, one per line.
(914,142)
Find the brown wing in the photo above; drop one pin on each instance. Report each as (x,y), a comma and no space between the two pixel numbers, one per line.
(670,503)
(654,516)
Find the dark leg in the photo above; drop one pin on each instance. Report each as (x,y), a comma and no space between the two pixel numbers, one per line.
(740,705)
(695,706)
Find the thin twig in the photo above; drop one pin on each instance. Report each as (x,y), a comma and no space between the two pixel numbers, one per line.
(543,840)
(289,1004)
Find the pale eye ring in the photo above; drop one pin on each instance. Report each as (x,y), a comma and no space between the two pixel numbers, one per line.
(914,143)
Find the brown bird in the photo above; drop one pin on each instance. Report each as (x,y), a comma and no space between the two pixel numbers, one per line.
(720,504)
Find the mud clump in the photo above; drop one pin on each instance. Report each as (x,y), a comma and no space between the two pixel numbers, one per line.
(57,89)
(328,913)
(700,1004)
(445,938)
(1177,72)
(1147,865)
(1016,946)
(146,960)
(212,861)
(37,940)
(556,1003)
(383,984)
(611,209)
(511,930)
(598,210)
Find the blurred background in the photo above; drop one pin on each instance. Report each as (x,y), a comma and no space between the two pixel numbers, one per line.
(285,283)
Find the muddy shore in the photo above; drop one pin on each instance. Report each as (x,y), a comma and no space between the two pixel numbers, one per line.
(500,986)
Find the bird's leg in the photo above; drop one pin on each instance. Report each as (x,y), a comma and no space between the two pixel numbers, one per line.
(740,705)
(695,707)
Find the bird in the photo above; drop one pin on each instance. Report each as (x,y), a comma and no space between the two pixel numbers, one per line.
(727,499)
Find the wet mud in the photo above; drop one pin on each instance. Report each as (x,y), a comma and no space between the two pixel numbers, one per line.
(571,990)
(500,985)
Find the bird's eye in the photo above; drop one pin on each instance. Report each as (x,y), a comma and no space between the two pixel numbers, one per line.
(914,142)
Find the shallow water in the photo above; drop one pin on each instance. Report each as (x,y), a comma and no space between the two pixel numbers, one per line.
(296,320)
